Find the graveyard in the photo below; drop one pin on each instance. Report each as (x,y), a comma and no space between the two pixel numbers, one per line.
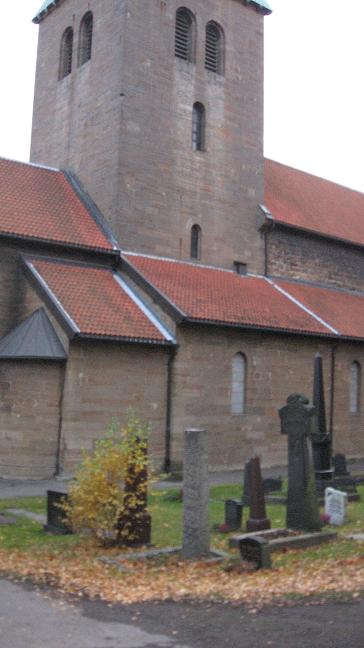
(72,564)
(115,536)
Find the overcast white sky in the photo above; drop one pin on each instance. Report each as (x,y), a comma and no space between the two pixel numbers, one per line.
(314,98)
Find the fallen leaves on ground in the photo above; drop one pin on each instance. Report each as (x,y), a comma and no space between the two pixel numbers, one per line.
(79,571)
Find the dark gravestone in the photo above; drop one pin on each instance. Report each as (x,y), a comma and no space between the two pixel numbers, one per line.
(321,441)
(246,495)
(56,515)
(302,505)
(257,520)
(233,514)
(135,524)
(340,468)
(271,485)
(256,550)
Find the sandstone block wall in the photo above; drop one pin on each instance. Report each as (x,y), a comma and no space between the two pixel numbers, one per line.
(103,380)
(123,122)
(301,256)
(276,367)
(29,418)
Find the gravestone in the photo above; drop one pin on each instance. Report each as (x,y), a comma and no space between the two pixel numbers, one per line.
(246,495)
(340,468)
(258,520)
(233,514)
(56,515)
(302,505)
(196,532)
(335,506)
(134,526)
(271,484)
(321,440)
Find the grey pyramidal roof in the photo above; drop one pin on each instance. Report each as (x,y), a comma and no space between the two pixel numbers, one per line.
(34,338)
(261,5)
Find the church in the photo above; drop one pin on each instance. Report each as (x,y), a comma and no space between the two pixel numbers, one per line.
(152,259)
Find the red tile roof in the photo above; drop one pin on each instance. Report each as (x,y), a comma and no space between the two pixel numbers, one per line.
(212,295)
(95,301)
(344,311)
(39,203)
(301,200)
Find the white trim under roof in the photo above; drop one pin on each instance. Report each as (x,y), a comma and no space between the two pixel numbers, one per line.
(298,303)
(144,308)
(52,296)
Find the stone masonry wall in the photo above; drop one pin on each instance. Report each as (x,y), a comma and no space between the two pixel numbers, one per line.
(123,122)
(300,256)
(29,418)
(276,367)
(103,380)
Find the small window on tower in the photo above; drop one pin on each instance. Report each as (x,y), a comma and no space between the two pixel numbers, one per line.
(195,242)
(85,41)
(184,46)
(198,127)
(214,48)
(65,61)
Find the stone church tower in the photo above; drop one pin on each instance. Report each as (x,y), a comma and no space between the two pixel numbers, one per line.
(158,108)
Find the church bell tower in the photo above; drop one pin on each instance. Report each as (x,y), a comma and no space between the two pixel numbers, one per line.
(157,106)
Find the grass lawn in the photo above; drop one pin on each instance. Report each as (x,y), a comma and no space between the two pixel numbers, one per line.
(166,509)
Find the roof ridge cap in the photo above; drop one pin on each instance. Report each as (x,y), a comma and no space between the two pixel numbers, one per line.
(31,164)
(178,261)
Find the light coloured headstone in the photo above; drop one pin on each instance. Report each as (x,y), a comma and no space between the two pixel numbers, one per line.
(335,505)
(196,532)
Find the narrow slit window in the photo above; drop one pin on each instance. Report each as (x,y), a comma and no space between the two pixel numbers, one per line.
(238,384)
(184,35)
(355,387)
(214,48)
(65,63)
(195,242)
(198,127)
(85,40)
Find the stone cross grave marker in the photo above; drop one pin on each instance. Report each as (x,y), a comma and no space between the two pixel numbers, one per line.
(335,505)
(196,532)
(302,505)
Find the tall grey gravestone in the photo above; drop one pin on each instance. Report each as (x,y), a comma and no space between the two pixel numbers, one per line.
(196,533)
(302,505)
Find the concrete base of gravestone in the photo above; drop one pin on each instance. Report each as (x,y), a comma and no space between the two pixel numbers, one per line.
(196,532)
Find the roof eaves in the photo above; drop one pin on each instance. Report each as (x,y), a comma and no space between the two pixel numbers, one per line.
(261,6)
(59,244)
(66,320)
(92,208)
(46,7)
(162,300)
(316,233)
(257,327)
(124,338)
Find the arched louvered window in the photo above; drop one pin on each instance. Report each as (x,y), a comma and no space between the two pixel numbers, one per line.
(65,61)
(198,127)
(214,48)
(85,40)
(238,384)
(184,46)
(195,242)
(355,387)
